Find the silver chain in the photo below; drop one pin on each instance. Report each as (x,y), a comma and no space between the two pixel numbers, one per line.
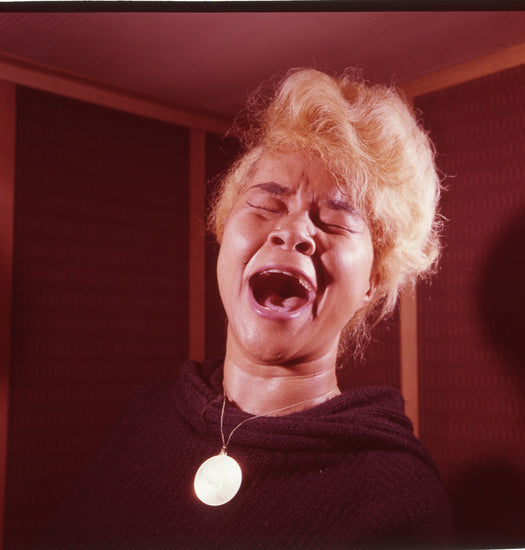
(225,442)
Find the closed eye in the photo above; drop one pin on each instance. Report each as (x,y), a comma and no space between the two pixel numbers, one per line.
(333,211)
(260,207)
(333,226)
(340,227)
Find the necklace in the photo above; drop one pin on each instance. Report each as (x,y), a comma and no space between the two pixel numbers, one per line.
(219,478)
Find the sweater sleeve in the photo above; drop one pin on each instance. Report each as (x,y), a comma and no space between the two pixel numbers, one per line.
(412,509)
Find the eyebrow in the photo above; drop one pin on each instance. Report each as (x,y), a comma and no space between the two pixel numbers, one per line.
(335,204)
(273,188)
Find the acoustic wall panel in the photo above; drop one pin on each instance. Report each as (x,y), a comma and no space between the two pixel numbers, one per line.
(471,318)
(100,286)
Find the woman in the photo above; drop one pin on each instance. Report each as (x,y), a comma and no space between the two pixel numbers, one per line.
(329,212)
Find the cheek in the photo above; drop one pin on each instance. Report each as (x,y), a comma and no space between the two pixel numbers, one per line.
(242,238)
(356,270)
(240,242)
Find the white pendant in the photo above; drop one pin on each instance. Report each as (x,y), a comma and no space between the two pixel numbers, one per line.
(217,480)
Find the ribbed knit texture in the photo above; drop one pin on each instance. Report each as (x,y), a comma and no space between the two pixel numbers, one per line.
(347,473)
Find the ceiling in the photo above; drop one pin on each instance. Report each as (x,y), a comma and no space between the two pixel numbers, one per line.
(210,61)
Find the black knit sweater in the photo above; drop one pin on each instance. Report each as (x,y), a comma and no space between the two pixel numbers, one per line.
(347,473)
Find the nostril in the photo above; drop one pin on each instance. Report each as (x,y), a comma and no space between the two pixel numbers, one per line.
(304,247)
(278,241)
(291,240)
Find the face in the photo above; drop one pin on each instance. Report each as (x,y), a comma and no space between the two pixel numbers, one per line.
(295,262)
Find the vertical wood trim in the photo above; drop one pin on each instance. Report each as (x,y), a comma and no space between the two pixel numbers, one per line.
(409,363)
(7,195)
(408,351)
(197,281)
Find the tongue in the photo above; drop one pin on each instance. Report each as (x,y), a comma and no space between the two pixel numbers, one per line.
(273,300)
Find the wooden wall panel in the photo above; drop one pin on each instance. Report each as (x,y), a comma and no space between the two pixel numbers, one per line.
(100,286)
(409,375)
(220,153)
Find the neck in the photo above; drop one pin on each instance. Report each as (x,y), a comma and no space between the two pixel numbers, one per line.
(259,388)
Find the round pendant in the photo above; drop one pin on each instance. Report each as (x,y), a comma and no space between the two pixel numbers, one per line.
(217,480)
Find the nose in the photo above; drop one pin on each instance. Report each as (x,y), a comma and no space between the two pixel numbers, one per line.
(294,233)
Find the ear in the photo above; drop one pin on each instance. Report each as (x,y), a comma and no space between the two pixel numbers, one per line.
(373,284)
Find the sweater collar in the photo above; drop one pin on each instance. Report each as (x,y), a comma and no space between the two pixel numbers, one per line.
(358,420)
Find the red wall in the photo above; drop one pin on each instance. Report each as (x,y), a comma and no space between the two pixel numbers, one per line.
(100,286)
(471,318)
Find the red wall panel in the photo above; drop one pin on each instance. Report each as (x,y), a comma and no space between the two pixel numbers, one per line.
(471,318)
(100,286)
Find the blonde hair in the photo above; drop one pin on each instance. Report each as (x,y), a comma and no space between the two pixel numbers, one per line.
(368,138)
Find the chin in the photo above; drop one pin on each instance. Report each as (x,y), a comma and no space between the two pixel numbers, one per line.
(274,347)
(265,352)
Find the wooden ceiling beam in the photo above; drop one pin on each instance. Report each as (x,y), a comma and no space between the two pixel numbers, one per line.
(27,73)
(495,62)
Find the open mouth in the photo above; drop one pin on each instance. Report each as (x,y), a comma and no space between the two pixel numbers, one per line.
(281,291)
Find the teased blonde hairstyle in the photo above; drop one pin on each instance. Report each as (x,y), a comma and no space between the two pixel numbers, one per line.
(369,140)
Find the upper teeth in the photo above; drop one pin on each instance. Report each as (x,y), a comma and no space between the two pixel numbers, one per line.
(303,282)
